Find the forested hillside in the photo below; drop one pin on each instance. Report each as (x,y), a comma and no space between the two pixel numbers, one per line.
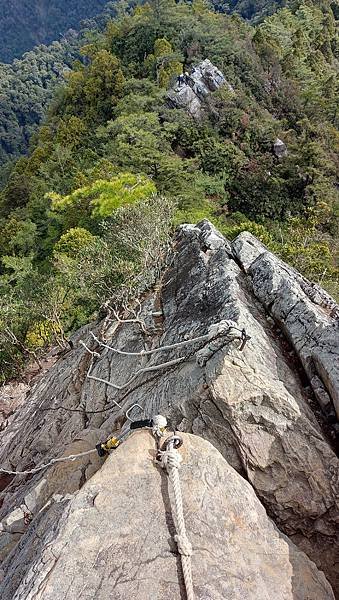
(26,23)
(256,10)
(27,86)
(250,9)
(86,215)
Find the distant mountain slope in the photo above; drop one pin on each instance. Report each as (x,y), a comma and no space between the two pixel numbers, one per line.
(26,87)
(26,23)
(28,84)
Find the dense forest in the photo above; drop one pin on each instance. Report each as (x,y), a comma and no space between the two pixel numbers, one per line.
(85,216)
(256,10)
(27,87)
(253,10)
(27,23)
(28,84)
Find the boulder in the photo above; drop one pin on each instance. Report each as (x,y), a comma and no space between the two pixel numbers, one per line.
(15,521)
(206,78)
(110,541)
(280,149)
(182,96)
(244,391)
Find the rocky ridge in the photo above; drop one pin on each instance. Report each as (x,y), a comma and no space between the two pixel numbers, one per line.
(94,551)
(244,393)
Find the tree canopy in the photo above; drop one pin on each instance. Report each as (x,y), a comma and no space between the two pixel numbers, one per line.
(86,214)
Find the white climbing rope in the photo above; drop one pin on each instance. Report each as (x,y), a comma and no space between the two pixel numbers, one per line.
(200,338)
(164,365)
(53,461)
(170,459)
(215,330)
(159,425)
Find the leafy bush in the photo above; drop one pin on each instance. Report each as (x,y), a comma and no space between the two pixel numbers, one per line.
(88,271)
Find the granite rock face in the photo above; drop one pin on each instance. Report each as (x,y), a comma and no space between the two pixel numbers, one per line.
(110,541)
(191,91)
(249,397)
(307,314)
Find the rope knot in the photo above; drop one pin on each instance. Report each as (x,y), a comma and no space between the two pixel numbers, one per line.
(158,425)
(170,459)
(184,545)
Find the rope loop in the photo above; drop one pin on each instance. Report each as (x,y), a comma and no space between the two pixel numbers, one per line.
(170,459)
(175,441)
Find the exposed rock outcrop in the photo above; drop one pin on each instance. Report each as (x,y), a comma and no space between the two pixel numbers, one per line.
(192,89)
(12,396)
(280,149)
(248,399)
(307,314)
(110,542)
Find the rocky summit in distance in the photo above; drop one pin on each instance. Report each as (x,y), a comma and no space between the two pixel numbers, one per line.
(232,346)
(192,89)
